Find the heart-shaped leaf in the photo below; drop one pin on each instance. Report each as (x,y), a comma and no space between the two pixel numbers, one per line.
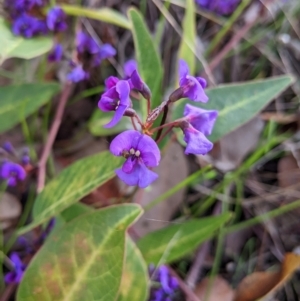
(72,184)
(83,261)
(19,101)
(13,46)
(238,103)
(107,15)
(149,63)
(177,240)
(135,280)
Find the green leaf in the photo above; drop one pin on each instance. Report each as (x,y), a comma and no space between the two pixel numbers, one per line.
(238,103)
(13,46)
(134,284)
(72,184)
(74,211)
(19,101)
(99,119)
(83,261)
(187,46)
(173,242)
(149,63)
(107,15)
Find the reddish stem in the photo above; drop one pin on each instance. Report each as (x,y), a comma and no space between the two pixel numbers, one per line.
(52,134)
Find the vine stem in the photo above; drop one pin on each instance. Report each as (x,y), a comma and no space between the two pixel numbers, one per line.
(67,89)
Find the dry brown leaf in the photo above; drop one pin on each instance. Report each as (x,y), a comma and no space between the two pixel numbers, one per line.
(218,290)
(262,284)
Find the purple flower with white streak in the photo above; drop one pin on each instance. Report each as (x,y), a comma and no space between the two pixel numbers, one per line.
(16,275)
(198,124)
(56,54)
(141,152)
(192,87)
(12,173)
(116,99)
(56,19)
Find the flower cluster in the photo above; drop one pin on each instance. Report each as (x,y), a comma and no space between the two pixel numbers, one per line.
(221,7)
(138,147)
(10,171)
(89,52)
(164,286)
(28,19)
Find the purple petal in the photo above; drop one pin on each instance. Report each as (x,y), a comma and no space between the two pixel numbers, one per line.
(146,176)
(197,143)
(77,74)
(140,176)
(164,279)
(183,69)
(123,90)
(150,152)
(202,120)
(129,67)
(106,104)
(129,165)
(202,82)
(117,117)
(137,81)
(111,82)
(14,257)
(192,89)
(123,142)
(56,54)
(10,277)
(106,51)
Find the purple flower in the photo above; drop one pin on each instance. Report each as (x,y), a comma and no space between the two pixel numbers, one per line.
(77,74)
(56,54)
(192,87)
(16,275)
(7,146)
(25,159)
(85,43)
(116,99)
(56,19)
(25,25)
(137,83)
(221,7)
(166,285)
(129,67)
(12,172)
(105,51)
(111,82)
(41,27)
(140,152)
(198,124)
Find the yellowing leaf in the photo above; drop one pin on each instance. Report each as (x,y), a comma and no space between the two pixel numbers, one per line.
(82,261)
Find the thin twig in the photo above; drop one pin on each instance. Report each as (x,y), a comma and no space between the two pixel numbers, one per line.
(52,134)
(163,120)
(191,296)
(193,274)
